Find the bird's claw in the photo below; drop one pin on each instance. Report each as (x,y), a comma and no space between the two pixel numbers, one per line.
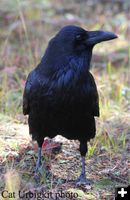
(37,178)
(82,180)
(41,172)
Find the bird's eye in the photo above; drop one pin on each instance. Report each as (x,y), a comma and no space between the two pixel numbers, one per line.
(78,37)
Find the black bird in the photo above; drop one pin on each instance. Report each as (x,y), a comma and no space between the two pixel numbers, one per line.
(60,94)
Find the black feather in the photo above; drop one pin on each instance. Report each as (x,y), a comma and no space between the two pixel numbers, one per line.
(60,95)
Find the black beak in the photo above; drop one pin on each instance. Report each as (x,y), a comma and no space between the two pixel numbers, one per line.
(95,37)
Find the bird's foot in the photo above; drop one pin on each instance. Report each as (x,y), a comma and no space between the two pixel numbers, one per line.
(41,172)
(36,172)
(82,180)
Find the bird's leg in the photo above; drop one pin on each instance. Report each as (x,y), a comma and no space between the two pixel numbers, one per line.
(38,163)
(82,178)
(83,174)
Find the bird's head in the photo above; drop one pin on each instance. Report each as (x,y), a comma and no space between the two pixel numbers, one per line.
(75,39)
(73,45)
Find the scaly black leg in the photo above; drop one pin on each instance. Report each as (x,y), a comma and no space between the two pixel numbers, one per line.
(38,163)
(82,178)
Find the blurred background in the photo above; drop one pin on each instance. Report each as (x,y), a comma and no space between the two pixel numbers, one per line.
(26,26)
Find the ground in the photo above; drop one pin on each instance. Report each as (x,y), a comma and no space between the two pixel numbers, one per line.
(107,165)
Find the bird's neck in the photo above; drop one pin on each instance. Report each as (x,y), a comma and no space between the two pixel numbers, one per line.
(78,63)
(81,64)
(65,72)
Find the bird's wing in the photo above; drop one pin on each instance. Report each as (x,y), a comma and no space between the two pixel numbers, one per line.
(94,98)
(26,94)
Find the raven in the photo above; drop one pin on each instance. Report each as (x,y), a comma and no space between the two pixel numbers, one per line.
(60,94)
